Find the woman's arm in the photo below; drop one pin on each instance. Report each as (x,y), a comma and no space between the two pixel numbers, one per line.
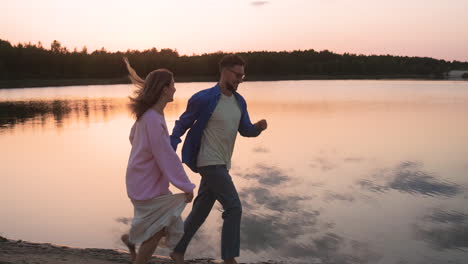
(166,158)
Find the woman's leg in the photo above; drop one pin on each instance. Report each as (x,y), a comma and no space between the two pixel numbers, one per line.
(148,247)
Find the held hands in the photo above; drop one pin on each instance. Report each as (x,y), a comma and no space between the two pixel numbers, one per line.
(188,197)
(262,124)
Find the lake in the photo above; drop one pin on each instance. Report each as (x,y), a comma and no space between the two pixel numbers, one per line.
(356,171)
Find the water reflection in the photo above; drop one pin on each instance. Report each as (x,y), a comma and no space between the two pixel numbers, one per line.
(335,191)
(14,113)
(278,223)
(333,196)
(444,229)
(266,175)
(408,177)
(124,220)
(323,163)
(260,149)
(330,161)
(353,159)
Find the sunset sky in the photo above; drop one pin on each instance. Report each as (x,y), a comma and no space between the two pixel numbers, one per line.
(428,28)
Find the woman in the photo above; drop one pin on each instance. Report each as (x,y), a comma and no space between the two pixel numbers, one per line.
(152,165)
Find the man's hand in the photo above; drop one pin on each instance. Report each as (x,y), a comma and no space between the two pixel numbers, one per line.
(188,197)
(262,124)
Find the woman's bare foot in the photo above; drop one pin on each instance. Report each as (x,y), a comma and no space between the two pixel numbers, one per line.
(131,247)
(178,258)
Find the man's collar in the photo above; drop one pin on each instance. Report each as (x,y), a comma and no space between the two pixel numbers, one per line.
(217,90)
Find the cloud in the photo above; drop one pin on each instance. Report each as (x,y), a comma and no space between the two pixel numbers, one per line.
(408,177)
(259,3)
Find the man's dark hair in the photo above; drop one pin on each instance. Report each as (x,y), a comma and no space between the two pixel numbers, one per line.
(231,60)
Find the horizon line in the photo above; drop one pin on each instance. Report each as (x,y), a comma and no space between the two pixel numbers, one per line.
(220,51)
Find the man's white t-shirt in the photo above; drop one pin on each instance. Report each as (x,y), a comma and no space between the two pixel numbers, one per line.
(219,136)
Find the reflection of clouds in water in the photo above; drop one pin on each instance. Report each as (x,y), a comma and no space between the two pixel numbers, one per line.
(444,229)
(260,149)
(445,217)
(282,226)
(323,163)
(330,160)
(205,244)
(332,196)
(263,196)
(270,176)
(409,178)
(124,220)
(273,221)
(353,159)
(298,236)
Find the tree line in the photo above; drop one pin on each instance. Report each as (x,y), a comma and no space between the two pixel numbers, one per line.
(33,61)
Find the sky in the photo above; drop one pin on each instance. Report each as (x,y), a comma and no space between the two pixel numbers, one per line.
(425,28)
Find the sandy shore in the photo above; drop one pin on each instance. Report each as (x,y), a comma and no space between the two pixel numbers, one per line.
(18,251)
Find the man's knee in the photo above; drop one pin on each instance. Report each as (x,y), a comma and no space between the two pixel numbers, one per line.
(234,209)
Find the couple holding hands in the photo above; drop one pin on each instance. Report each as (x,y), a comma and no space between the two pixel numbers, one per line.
(213,118)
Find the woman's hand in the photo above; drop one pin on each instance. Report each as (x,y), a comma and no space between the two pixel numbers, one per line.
(188,197)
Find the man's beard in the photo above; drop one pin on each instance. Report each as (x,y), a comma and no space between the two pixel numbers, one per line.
(231,87)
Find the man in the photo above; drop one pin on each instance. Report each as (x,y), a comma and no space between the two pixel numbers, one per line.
(214,116)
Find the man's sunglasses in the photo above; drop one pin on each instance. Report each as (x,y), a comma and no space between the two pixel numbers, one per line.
(238,75)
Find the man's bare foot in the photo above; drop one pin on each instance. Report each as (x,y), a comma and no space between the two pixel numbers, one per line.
(131,247)
(230,261)
(178,258)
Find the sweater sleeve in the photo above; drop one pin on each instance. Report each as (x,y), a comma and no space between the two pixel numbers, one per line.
(166,158)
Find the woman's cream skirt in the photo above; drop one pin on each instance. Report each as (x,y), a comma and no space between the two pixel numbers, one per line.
(151,216)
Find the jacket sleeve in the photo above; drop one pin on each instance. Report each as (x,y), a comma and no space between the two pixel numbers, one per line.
(246,128)
(166,159)
(186,120)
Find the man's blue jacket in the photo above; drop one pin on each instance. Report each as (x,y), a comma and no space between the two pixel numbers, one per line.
(200,107)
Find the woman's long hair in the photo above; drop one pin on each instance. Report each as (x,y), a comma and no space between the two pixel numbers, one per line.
(148,91)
